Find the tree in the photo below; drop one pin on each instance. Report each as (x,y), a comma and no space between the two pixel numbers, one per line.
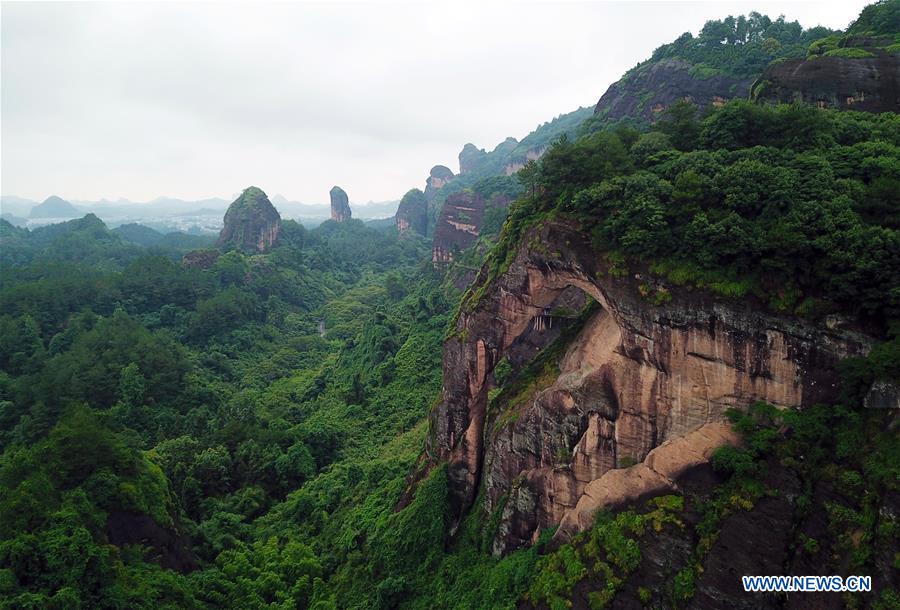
(679,122)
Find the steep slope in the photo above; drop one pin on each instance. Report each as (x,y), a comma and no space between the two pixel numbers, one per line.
(251,223)
(439,176)
(412,213)
(717,65)
(859,70)
(640,292)
(632,376)
(340,204)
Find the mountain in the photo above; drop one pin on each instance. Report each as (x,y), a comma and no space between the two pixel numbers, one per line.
(651,288)
(717,65)
(139,234)
(251,223)
(19,206)
(412,213)
(340,205)
(664,355)
(175,241)
(856,70)
(54,207)
(14,220)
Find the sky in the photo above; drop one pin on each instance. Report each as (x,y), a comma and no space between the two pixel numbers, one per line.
(197,100)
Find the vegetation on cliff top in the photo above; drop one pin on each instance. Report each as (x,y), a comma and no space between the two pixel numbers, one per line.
(740,47)
(793,204)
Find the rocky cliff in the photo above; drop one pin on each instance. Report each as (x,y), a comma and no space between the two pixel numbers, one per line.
(647,90)
(469,158)
(340,204)
(438,177)
(626,397)
(412,213)
(457,226)
(860,75)
(251,223)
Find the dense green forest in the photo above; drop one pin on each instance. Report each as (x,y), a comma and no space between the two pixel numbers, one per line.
(184,437)
(241,434)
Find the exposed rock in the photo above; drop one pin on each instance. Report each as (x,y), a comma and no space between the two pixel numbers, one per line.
(439,176)
(469,157)
(646,91)
(634,377)
(530,155)
(340,204)
(252,223)
(457,226)
(654,476)
(412,213)
(870,84)
(766,538)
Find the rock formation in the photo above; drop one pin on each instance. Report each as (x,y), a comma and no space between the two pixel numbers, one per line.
(869,83)
(469,157)
(633,377)
(457,227)
(252,223)
(340,204)
(518,163)
(647,90)
(459,224)
(439,176)
(412,213)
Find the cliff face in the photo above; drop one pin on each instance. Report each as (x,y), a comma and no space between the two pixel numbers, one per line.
(251,223)
(469,158)
(437,178)
(340,204)
(646,91)
(530,155)
(457,226)
(635,399)
(870,83)
(412,213)
(460,223)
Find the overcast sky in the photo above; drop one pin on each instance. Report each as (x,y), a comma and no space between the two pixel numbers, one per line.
(200,100)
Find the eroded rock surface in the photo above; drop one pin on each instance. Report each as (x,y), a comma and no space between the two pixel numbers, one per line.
(649,89)
(340,204)
(870,84)
(634,377)
(251,223)
(412,213)
(438,177)
(457,227)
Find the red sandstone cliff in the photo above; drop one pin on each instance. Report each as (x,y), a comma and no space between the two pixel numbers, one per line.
(634,381)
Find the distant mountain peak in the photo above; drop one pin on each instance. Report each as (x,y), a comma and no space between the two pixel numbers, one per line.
(54,207)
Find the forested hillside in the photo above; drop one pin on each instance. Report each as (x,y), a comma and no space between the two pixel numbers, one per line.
(261,424)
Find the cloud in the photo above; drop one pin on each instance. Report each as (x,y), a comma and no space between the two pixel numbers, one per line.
(195,100)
